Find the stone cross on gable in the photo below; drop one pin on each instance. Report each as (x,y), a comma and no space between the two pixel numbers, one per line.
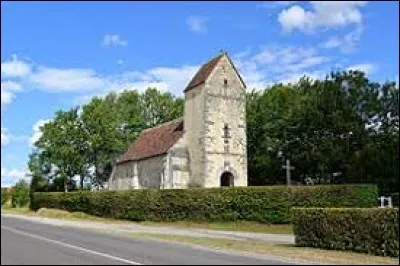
(288,173)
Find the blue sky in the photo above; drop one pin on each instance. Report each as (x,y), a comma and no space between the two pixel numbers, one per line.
(55,55)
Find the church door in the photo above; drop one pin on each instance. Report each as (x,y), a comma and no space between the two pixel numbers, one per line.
(226,179)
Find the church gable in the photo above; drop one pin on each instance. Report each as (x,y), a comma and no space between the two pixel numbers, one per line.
(202,75)
(154,141)
(224,79)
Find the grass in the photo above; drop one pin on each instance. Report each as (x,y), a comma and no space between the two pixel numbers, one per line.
(245,226)
(285,251)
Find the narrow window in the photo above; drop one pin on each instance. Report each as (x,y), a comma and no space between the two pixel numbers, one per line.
(225,82)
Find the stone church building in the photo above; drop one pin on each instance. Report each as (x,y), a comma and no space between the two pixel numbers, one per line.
(205,148)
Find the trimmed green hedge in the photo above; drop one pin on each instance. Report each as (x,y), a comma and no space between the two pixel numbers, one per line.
(263,204)
(366,230)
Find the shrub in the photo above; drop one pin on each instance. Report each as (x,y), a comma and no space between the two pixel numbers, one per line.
(367,230)
(262,204)
(20,194)
(5,196)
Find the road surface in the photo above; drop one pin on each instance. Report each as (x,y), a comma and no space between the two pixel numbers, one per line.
(27,242)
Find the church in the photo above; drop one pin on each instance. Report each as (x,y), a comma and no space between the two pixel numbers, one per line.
(205,148)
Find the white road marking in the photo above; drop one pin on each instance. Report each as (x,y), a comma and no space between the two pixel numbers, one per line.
(70,246)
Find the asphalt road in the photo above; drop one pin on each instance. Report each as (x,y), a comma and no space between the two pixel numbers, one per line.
(27,242)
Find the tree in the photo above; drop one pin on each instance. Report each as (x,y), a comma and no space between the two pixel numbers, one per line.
(65,145)
(20,194)
(105,137)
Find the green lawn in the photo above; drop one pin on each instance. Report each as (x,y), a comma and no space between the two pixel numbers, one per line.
(245,226)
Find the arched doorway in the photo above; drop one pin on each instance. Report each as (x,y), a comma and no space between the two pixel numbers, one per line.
(226,179)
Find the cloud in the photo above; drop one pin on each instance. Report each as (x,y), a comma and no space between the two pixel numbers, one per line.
(15,68)
(5,137)
(258,69)
(197,23)
(66,80)
(8,89)
(113,40)
(88,82)
(171,79)
(11,176)
(347,43)
(279,64)
(331,14)
(37,133)
(366,68)
(120,61)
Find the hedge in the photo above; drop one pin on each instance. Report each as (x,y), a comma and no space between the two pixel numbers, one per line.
(367,230)
(263,204)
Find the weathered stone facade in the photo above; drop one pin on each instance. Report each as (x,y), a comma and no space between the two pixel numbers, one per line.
(213,141)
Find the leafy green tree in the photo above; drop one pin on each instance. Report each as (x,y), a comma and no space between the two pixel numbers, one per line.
(64,142)
(20,194)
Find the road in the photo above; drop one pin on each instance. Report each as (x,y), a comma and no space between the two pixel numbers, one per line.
(28,242)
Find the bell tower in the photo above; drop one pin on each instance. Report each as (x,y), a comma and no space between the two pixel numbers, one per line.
(215,125)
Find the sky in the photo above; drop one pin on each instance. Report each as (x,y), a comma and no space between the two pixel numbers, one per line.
(56,55)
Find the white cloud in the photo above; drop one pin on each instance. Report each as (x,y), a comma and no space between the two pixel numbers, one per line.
(171,79)
(347,43)
(366,68)
(11,176)
(113,40)
(5,137)
(15,68)
(89,82)
(37,133)
(278,64)
(8,89)
(6,97)
(197,23)
(257,68)
(330,14)
(66,80)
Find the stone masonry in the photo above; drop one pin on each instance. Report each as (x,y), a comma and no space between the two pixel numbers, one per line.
(207,148)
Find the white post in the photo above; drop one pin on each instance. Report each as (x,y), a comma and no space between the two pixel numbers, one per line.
(382,198)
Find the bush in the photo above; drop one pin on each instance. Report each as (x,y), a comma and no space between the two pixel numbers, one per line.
(262,204)
(5,196)
(20,194)
(368,230)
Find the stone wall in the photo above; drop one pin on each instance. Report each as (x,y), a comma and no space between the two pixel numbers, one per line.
(147,173)
(178,168)
(194,131)
(225,103)
(150,171)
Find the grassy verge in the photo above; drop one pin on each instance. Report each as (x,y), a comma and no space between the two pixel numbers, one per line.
(244,226)
(280,250)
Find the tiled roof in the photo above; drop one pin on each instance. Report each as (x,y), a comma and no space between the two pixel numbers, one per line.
(154,141)
(203,73)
